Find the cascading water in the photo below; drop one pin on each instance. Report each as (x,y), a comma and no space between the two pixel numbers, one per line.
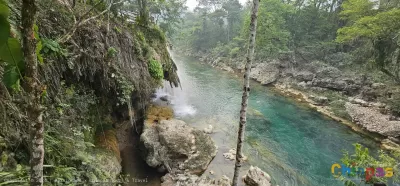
(176,97)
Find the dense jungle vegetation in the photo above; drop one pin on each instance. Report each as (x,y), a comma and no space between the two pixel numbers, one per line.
(361,34)
(71,73)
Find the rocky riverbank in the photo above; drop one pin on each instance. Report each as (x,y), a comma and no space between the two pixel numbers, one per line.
(183,152)
(362,102)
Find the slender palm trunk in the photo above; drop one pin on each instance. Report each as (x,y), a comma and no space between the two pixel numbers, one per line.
(33,89)
(246,91)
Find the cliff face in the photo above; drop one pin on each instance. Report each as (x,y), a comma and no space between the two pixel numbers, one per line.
(90,78)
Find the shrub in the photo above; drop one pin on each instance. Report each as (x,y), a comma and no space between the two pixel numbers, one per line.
(394,104)
(112,52)
(156,70)
(338,108)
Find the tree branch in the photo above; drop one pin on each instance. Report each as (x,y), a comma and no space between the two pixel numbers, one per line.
(81,22)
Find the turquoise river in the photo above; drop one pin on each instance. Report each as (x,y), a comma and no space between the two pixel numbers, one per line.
(295,144)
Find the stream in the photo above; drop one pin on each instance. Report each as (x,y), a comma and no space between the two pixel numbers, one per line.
(294,144)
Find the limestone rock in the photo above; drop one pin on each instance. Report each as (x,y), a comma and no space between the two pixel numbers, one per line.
(265,73)
(226,67)
(372,120)
(358,101)
(209,129)
(256,177)
(330,83)
(230,155)
(304,76)
(176,146)
(186,179)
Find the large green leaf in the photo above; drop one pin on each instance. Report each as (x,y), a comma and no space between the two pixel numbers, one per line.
(11,53)
(11,77)
(4,24)
(4,12)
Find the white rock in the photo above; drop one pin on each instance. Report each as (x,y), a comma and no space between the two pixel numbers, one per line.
(209,129)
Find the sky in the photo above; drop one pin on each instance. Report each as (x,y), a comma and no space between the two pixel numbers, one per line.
(192,3)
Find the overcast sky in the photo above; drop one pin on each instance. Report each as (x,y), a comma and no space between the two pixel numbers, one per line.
(192,3)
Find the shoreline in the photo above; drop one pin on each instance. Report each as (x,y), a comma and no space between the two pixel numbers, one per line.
(301,98)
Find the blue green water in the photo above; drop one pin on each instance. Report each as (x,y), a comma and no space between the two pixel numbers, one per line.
(293,143)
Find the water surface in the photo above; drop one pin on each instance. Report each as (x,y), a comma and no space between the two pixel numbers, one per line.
(294,144)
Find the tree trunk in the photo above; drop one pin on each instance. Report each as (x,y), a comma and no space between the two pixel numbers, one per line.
(246,91)
(33,89)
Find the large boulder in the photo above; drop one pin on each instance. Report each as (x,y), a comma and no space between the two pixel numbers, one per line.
(256,177)
(175,146)
(330,83)
(265,73)
(372,120)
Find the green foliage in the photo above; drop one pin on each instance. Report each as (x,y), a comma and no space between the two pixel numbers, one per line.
(156,70)
(39,45)
(4,25)
(394,103)
(112,52)
(272,36)
(18,176)
(52,47)
(339,109)
(234,52)
(126,88)
(356,9)
(70,134)
(117,29)
(362,158)
(11,53)
(379,27)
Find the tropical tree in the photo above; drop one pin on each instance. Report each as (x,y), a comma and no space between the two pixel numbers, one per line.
(246,91)
(378,27)
(34,89)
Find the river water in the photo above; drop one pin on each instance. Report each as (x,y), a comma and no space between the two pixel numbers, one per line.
(293,143)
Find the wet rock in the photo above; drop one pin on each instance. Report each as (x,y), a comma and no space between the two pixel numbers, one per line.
(265,73)
(256,177)
(177,146)
(389,144)
(165,98)
(209,129)
(372,120)
(231,155)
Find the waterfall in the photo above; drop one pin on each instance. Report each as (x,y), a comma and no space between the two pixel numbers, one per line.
(176,97)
